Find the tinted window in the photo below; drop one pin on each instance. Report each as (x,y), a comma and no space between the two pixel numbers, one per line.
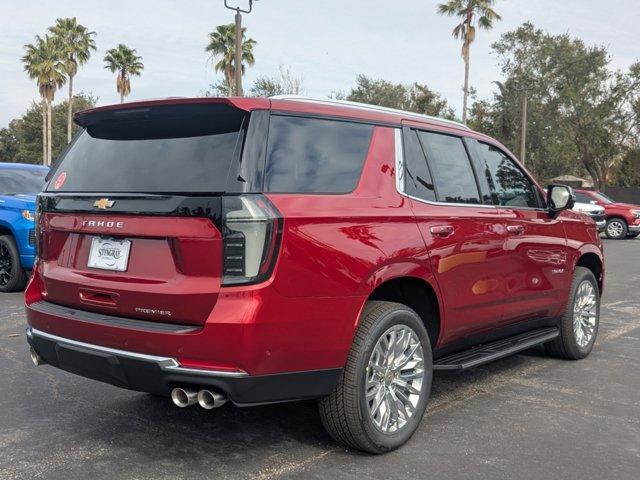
(512,187)
(185,148)
(417,179)
(583,197)
(315,155)
(13,180)
(603,198)
(451,169)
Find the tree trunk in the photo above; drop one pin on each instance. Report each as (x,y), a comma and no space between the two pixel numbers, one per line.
(70,110)
(121,97)
(466,86)
(49,132)
(44,131)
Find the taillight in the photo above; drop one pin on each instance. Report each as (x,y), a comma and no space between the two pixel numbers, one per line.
(38,227)
(251,228)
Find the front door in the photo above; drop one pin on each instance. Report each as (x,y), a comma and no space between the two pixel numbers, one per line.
(536,248)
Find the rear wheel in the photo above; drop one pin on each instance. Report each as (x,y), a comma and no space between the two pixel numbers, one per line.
(581,319)
(12,275)
(382,393)
(616,228)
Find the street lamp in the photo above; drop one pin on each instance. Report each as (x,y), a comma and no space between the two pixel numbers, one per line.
(238,60)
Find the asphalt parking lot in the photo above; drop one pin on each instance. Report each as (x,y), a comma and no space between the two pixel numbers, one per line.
(524,417)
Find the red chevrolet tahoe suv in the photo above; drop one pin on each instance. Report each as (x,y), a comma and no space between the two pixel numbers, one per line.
(623,219)
(269,250)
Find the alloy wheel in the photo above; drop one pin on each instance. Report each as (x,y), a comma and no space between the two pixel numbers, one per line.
(615,229)
(394,378)
(585,308)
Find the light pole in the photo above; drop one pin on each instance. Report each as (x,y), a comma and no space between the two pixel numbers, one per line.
(523,138)
(238,60)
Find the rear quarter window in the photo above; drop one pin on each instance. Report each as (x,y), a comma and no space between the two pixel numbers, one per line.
(311,155)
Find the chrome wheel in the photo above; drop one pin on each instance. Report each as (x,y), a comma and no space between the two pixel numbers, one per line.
(585,313)
(615,229)
(394,378)
(5,265)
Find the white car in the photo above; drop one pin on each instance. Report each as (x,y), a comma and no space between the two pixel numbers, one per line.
(594,211)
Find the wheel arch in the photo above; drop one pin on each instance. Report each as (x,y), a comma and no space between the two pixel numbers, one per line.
(593,261)
(5,229)
(416,293)
(616,216)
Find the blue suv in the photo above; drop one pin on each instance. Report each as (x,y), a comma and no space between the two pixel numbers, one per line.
(19,185)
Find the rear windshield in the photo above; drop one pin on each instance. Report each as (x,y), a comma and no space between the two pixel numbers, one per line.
(162,149)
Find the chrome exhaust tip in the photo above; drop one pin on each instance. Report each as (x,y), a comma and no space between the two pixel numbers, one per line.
(35,358)
(183,397)
(209,400)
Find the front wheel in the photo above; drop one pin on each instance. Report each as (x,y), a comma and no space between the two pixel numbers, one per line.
(383,390)
(616,229)
(581,319)
(12,275)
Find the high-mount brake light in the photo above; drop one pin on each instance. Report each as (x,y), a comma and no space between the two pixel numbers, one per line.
(252,228)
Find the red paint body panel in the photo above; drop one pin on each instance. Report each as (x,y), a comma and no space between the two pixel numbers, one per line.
(335,250)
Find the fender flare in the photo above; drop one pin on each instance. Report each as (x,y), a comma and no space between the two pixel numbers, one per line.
(396,270)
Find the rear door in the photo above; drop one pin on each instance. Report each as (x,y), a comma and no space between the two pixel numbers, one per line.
(131,216)
(535,247)
(464,237)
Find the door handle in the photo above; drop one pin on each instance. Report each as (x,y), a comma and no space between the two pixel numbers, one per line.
(515,229)
(441,230)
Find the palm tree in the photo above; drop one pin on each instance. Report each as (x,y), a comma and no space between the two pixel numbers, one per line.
(43,63)
(123,60)
(222,43)
(467,11)
(76,44)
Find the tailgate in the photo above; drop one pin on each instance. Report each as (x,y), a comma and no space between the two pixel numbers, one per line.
(172,272)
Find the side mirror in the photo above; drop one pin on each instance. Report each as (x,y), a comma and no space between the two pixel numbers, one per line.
(560,197)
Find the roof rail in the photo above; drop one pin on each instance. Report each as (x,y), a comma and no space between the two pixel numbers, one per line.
(366,106)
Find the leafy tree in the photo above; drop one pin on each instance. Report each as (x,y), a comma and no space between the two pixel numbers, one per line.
(222,46)
(123,60)
(76,43)
(415,97)
(583,115)
(469,12)
(42,62)
(282,84)
(21,141)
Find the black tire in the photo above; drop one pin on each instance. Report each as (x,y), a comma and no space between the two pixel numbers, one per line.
(345,412)
(631,236)
(12,276)
(566,345)
(616,229)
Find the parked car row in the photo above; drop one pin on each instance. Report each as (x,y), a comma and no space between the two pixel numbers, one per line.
(622,219)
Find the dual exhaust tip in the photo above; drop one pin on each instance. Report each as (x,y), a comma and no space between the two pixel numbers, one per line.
(181,397)
(207,399)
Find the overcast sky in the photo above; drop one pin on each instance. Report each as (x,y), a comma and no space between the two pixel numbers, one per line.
(326,42)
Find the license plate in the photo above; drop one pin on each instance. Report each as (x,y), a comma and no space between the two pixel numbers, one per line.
(109,254)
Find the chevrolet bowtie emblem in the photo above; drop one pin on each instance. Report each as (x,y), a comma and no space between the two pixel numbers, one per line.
(103,203)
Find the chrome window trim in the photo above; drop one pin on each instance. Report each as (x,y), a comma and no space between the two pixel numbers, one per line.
(400,170)
(169,364)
